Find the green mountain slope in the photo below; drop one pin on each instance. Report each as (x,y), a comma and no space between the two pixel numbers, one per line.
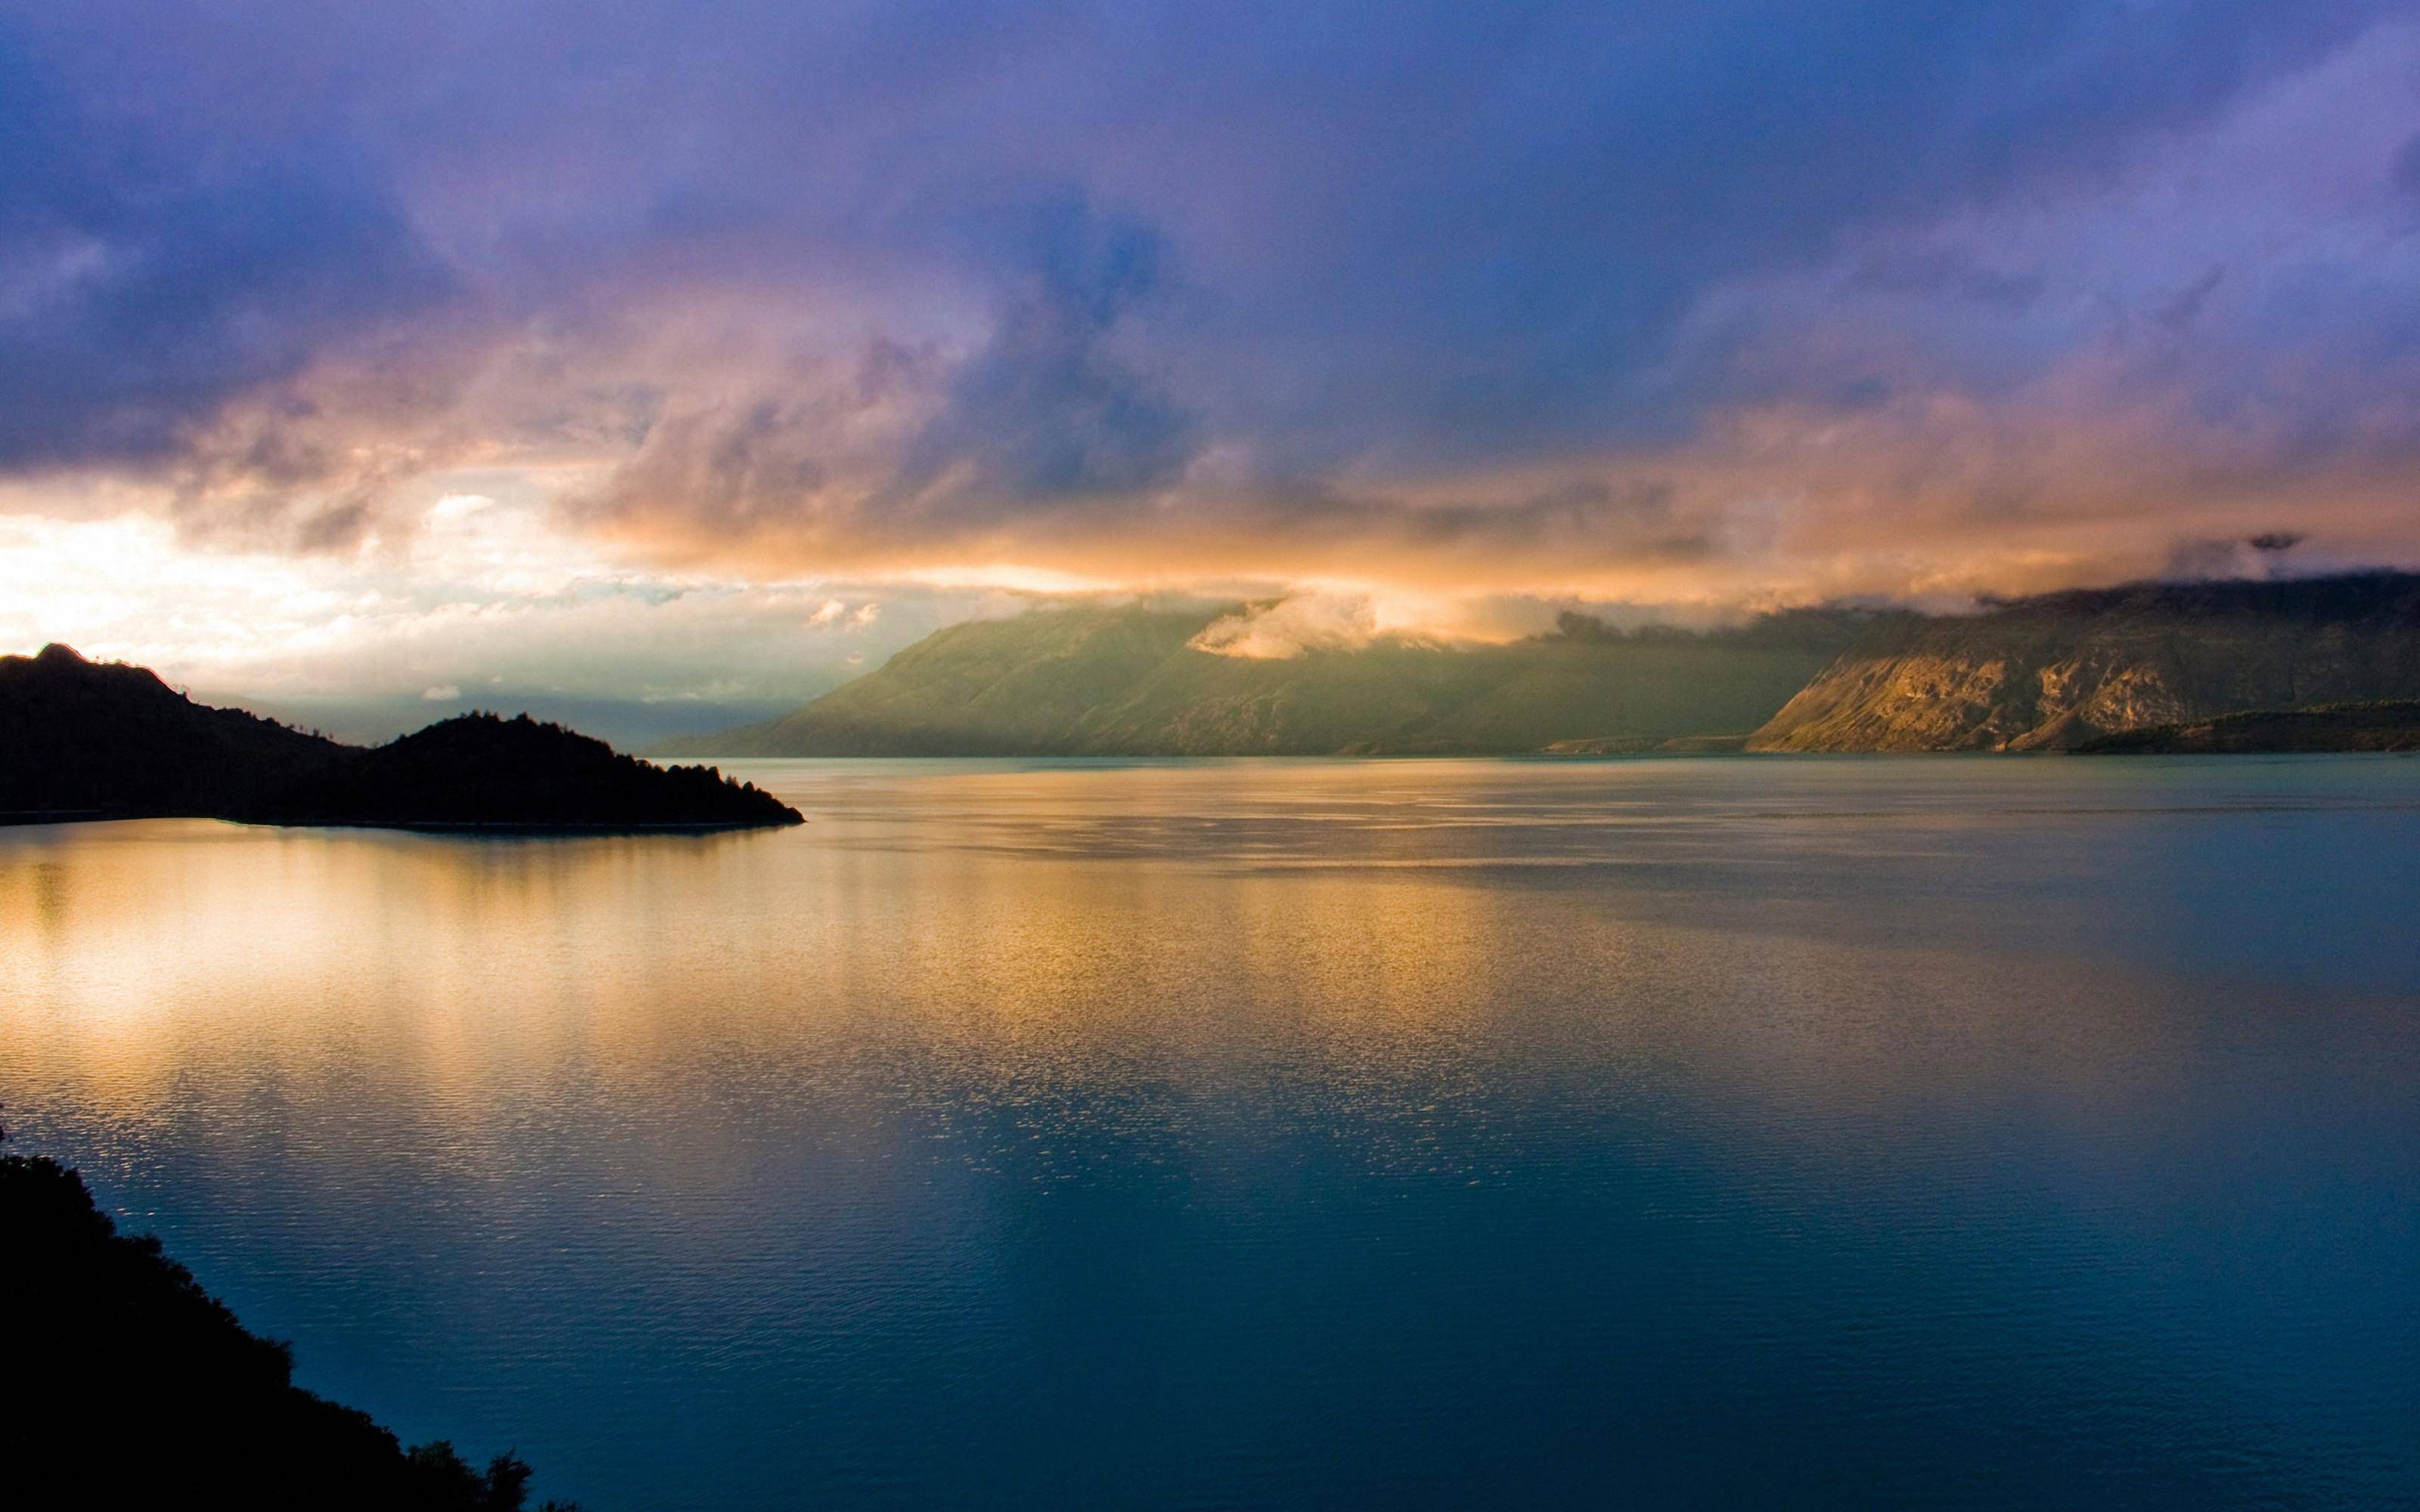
(2053,673)
(1091,679)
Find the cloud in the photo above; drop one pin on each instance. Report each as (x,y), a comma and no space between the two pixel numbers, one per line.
(493,604)
(2267,556)
(1292,626)
(149,278)
(1046,410)
(1710,300)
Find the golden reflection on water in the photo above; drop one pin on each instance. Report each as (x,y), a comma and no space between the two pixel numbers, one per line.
(681,1162)
(1150,926)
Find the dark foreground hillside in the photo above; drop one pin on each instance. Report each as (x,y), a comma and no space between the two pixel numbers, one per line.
(130,1386)
(87,740)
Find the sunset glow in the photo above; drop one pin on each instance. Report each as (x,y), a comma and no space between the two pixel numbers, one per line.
(1441,324)
(1040,755)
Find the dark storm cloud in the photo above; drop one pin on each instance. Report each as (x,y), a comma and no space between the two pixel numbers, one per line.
(1046,410)
(2406,172)
(144,281)
(870,272)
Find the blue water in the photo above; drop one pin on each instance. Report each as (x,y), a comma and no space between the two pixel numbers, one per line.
(1793,1132)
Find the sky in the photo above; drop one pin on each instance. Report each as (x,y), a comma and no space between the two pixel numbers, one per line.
(675,361)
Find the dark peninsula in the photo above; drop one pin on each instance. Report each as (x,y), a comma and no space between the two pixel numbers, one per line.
(86,740)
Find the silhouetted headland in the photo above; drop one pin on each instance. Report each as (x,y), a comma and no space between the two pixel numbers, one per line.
(480,771)
(87,740)
(131,1386)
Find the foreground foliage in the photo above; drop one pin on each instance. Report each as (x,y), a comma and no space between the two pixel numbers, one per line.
(131,1384)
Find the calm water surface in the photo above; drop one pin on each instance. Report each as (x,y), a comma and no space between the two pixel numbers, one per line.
(1421,1134)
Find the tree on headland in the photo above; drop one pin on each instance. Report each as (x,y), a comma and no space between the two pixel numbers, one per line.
(123,1377)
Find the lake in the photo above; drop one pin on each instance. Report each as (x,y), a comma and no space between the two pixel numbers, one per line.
(1979,1133)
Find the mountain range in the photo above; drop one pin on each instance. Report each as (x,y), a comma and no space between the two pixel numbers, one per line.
(1094,679)
(2050,673)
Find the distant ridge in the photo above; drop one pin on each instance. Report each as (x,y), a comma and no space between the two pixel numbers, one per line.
(2387,725)
(1127,680)
(2060,671)
(87,740)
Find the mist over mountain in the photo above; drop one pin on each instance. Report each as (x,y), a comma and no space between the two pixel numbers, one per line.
(1130,679)
(2054,671)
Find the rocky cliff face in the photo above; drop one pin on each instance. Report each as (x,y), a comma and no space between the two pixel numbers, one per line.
(2053,673)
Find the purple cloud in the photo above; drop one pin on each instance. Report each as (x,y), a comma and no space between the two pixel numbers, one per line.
(1272,288)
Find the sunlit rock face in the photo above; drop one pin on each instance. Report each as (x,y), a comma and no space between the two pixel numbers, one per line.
(2053,673)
